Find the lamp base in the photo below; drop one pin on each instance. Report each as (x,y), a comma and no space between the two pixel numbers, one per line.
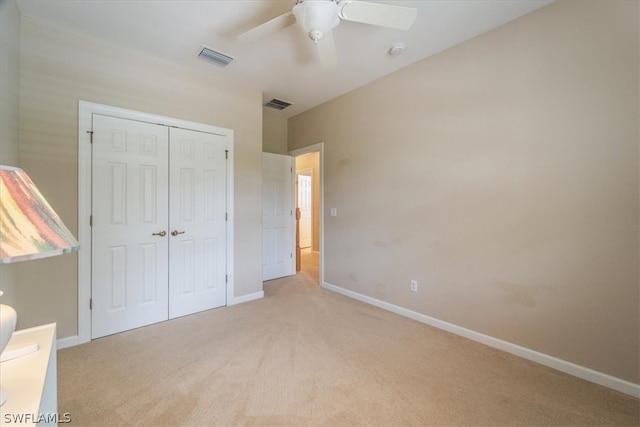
(7,324)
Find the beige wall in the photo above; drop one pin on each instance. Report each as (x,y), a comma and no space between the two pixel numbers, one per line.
(9,105)
(311,162)
(502,174)
(59,68)
(274,132)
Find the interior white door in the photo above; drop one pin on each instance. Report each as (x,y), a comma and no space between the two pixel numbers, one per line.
(129,269)
(304,203)
(197,212)
(278,236)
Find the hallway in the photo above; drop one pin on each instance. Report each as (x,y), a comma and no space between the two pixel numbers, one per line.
(310,264)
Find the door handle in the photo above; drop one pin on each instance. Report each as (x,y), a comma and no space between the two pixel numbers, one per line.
(161,234)
(176,232)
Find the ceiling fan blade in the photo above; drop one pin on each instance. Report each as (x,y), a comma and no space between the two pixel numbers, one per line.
(270,27)
(385,15)
(327,51)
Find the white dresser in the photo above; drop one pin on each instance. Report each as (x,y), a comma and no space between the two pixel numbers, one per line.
(30,381)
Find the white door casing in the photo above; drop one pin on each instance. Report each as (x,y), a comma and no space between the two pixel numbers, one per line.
(305,205)
(278,229)
(129,263)
(197,212)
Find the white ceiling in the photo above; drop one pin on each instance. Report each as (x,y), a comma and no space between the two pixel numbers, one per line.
(284,65)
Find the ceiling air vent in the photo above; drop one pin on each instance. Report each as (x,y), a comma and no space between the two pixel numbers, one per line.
(278,104)
(214,57)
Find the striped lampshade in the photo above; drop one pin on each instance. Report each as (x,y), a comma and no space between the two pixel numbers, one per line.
(29,227)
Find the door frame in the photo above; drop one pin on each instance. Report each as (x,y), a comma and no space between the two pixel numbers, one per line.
(85,113)
(319,148)
(305,172)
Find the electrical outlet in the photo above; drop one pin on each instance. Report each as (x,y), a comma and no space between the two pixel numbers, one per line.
(414,286)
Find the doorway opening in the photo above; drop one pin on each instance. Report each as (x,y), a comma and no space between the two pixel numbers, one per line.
(309,209)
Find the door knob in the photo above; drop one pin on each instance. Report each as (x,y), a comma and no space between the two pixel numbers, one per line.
(176,232)
(161,234)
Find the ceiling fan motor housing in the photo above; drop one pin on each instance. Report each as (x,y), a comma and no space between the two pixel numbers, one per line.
(316,17)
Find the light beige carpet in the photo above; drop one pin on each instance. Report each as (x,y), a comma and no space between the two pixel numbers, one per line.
(309,262)
(306,356)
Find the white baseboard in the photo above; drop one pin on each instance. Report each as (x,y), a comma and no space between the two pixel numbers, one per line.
(570,368)
(67,342)
(246,298)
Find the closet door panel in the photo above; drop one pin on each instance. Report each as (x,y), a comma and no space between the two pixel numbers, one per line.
(197,216)
(129,270)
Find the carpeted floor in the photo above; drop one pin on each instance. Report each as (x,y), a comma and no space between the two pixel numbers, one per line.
(307,356)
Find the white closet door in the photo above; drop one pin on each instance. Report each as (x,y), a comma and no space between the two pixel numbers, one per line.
(197,240)
(278,238)
(129,269)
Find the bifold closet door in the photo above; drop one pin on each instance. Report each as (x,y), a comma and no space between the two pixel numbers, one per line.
(197,214)
(129,269)
(159,223)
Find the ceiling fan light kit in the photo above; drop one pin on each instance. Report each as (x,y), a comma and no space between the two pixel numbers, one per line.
(316,17)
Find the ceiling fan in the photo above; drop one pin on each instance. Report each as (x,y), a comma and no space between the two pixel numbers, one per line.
(317,19)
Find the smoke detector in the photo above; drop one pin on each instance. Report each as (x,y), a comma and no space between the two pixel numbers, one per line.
(397,49)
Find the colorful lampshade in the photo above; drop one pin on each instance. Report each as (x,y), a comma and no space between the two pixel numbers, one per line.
(29,227)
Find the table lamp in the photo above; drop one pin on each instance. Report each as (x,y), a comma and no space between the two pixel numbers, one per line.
(29,229)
